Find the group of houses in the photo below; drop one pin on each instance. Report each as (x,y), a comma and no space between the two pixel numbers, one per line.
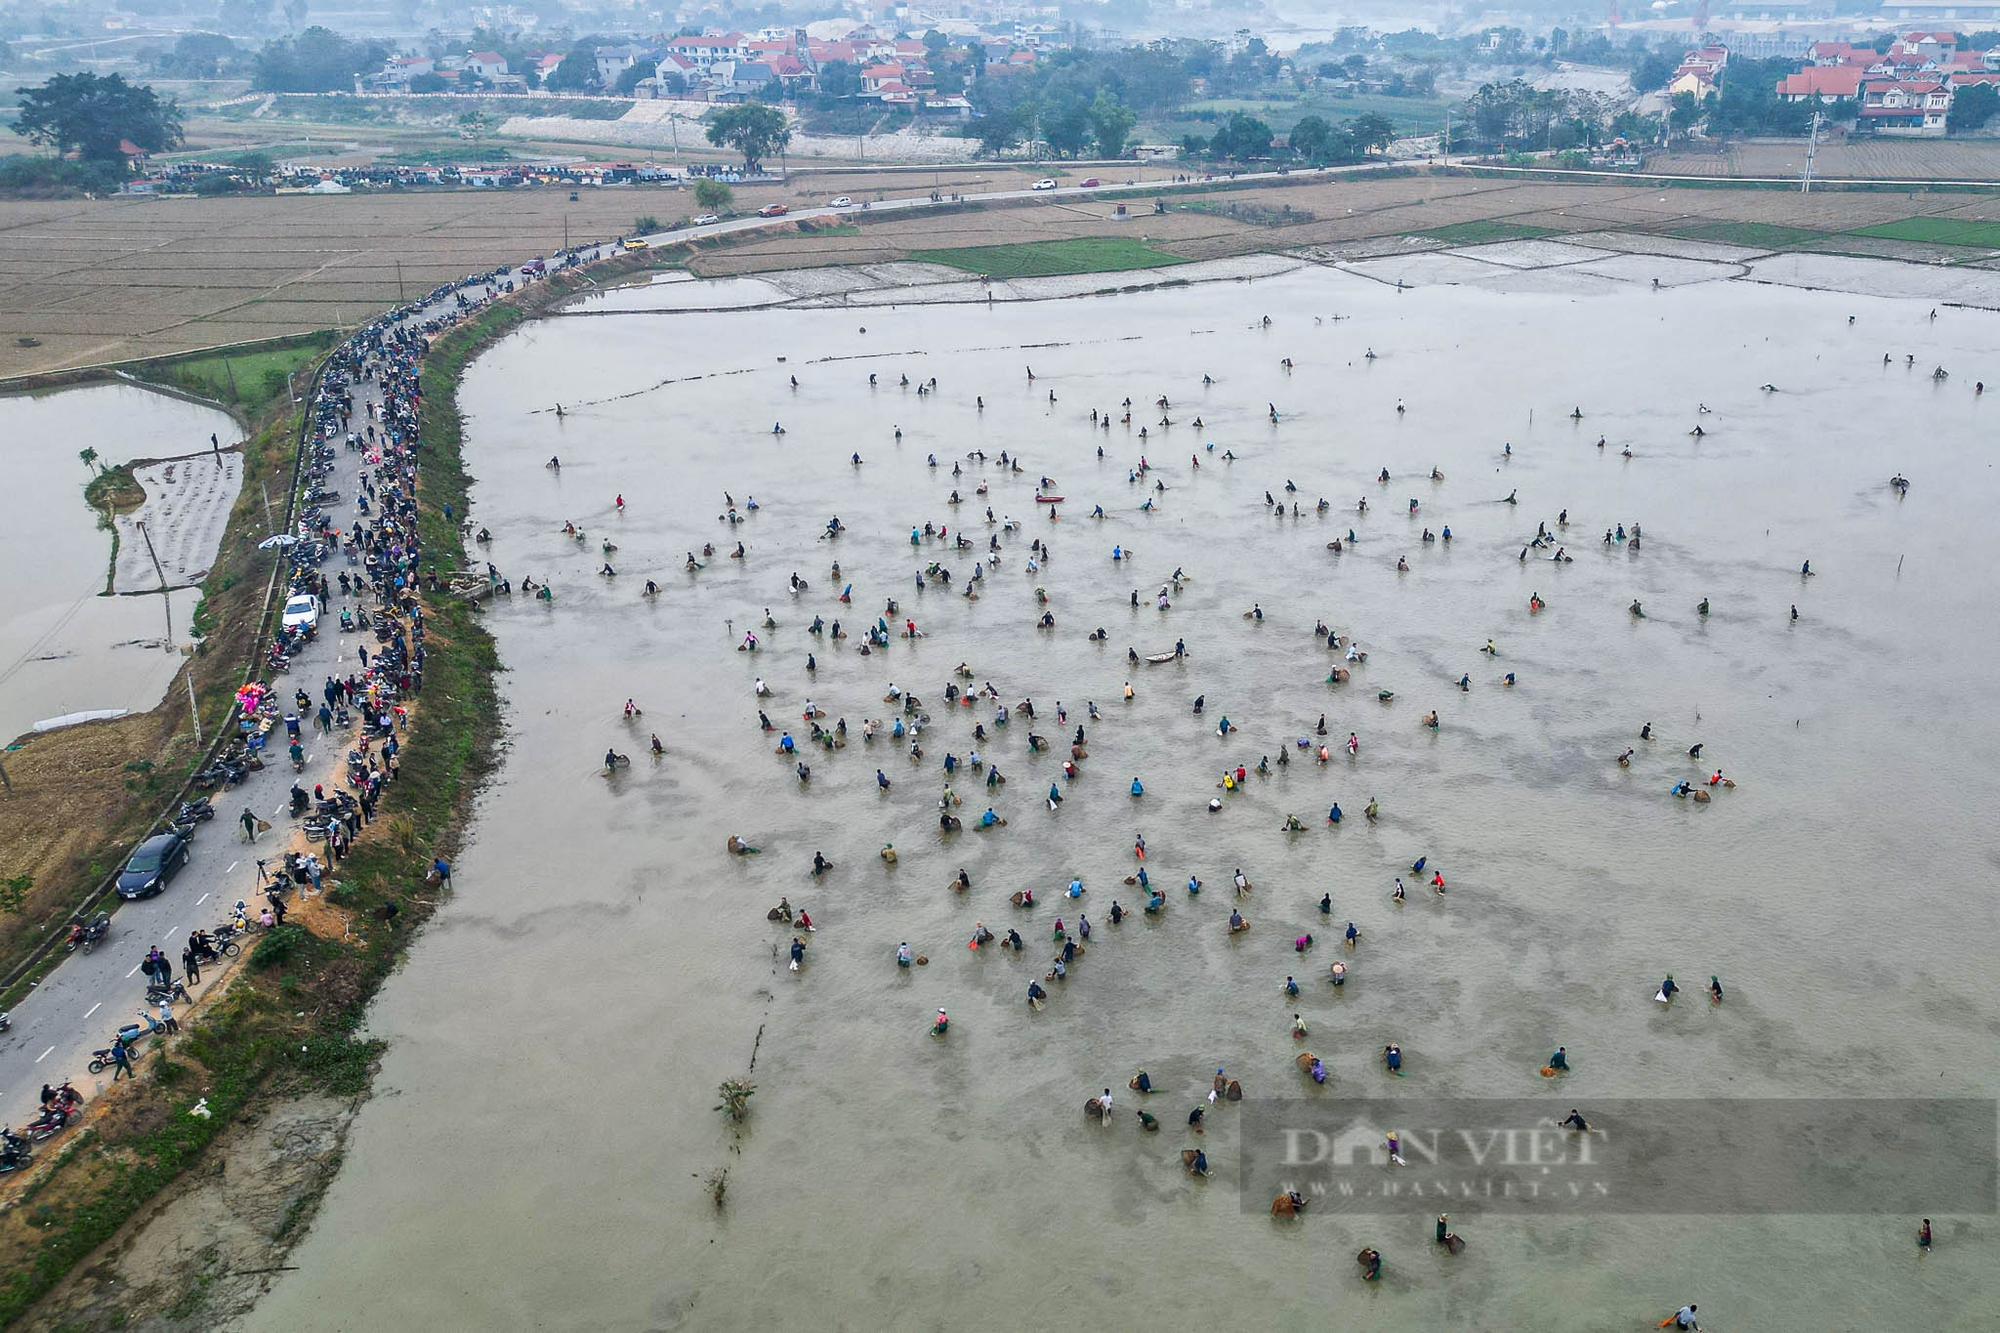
(1906,90)
(897,71)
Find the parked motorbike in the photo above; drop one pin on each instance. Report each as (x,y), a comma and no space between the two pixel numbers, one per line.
(15,1152)
(51,1122)
(173,990)
(86,935)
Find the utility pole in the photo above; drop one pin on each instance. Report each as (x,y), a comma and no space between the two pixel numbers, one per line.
(166,597)
(194,709)
(399,282)
(1812,142)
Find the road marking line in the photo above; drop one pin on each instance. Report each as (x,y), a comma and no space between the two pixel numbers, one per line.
(45,1055)
(204,897)
(133,972)
(93,1009)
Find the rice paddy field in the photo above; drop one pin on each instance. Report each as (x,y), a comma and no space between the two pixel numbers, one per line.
(97,282)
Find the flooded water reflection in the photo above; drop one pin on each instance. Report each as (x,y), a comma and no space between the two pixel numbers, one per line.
(63,647)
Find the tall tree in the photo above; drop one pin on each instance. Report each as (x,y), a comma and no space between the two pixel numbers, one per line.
(1110,122)
(318,60)
(998,130)
(1371,132)
(89,115)
(1066,126)
(1312,139)
(578,71)
(752,129)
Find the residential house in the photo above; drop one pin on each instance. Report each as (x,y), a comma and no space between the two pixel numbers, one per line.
(613,61)
(1935,49)
(738,80)
(1700,82)
(1912,108)
(488,65)
(1822,83)
(876,78)
(1842,53)
(398,71)
(674,76)
(708,48)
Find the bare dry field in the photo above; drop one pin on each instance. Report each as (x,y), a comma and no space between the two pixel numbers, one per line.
(100,281)
(1859,159)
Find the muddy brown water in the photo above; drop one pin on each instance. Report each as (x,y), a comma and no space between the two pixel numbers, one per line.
(537,1150)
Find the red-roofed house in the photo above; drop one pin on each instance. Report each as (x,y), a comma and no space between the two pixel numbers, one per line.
(1822,83)
(1699,81)
(826,52)
(1842,53)
(1907,107)
(486,64)
(877,77)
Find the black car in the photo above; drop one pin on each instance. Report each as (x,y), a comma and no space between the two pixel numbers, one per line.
(158,860)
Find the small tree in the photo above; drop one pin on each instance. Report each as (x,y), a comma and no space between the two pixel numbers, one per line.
(1971,108)
(1372,132)
(712,196)
(88,455)
(736,1094)
(752,129)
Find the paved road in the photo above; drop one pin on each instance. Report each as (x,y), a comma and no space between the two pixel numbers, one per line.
(78,1007)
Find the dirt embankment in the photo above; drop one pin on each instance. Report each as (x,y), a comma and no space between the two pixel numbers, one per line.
(166,1218)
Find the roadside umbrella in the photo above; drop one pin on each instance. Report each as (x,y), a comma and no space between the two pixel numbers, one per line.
(279,539)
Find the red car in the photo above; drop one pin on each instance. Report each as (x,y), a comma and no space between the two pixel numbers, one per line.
(772,211)
(1088,183)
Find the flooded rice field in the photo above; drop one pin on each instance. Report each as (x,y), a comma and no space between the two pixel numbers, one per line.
(544,1140)
(64,647)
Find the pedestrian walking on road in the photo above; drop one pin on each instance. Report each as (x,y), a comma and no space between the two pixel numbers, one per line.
(191,965)
(122,1058)
(249,821)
